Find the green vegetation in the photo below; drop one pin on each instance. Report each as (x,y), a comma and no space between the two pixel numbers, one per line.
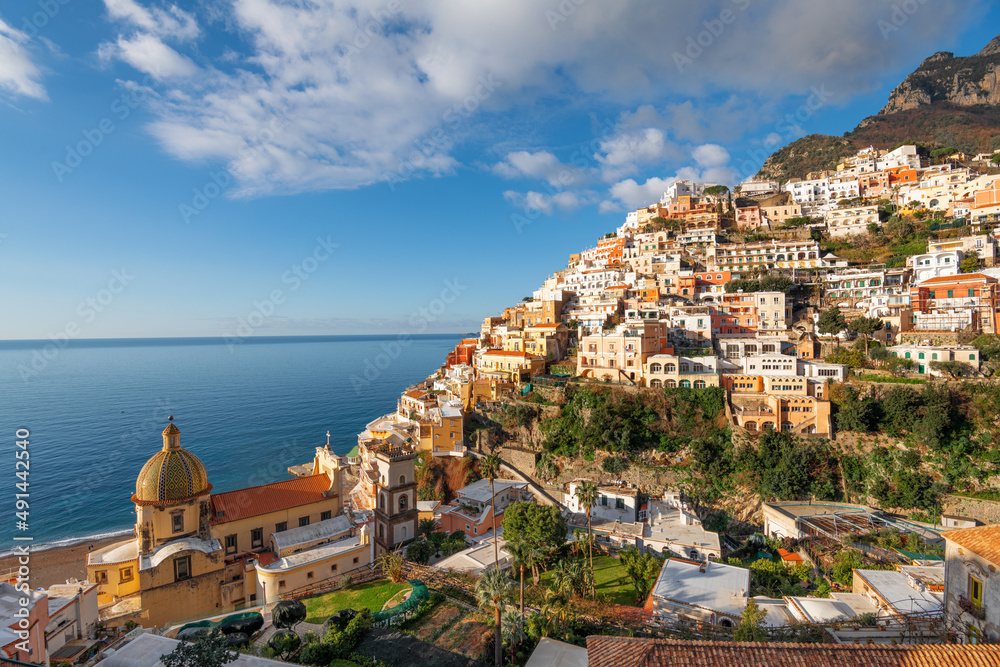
(611,580)
(371,595)
(767,283)
(871,377)
(831,321)
(619,422)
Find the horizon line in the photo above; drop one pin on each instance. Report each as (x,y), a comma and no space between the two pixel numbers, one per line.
(224,337)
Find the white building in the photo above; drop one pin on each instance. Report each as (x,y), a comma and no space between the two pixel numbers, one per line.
(708,592)
(934,265)
(613,503)
(671,529)
(851,221)
(972,582)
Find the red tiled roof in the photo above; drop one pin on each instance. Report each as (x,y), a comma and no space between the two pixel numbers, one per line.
(636,652)
(508,353)
(962,277)
(257,500)
(983,541)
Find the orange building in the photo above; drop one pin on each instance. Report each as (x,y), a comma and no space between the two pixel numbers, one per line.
(953,303)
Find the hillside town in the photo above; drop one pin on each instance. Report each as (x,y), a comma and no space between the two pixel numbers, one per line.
(759,307)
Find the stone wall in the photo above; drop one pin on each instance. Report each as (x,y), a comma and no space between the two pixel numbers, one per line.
(935,337)
(522,459)
(987,511)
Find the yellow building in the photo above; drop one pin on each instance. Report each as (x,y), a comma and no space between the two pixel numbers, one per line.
(197,554)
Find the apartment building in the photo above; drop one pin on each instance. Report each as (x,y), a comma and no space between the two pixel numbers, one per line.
(851,221)
(955,303)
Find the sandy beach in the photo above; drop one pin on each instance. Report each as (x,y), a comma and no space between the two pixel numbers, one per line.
(56,565)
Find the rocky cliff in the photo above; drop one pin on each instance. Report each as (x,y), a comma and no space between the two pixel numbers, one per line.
(964,81)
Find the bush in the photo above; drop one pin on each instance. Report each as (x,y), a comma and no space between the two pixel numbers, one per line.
(247,626)
(343,642)
(317,654)
(284,642)
(286,614)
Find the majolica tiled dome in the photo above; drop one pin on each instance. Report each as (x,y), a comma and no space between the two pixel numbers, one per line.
(172,475)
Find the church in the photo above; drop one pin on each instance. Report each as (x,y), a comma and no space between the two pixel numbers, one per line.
(195,553)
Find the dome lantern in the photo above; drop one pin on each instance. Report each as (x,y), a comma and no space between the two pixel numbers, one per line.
(172,475)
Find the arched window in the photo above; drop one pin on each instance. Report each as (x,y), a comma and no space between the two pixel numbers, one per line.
(685,368)
(699,384)
(669,383)
(751,426)
(671,368)
(403,502)
(656,383)
(920,356)
(686,384)
(381,501)
(786,426)
(655,368)
(381,531)
(972,357)
(934,355)
(907,355)
(402,480)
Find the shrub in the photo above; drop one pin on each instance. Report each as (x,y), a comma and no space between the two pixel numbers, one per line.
(286,614)
(247,626)
(284,642)
(317,654)
(342,642)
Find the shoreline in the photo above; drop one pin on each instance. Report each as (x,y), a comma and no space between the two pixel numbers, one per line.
(57,563)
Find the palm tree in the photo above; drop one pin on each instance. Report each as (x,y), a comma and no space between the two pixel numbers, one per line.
(586,495)
(524,553)
(493,589)
(490,466)
(513,632)
(426,527)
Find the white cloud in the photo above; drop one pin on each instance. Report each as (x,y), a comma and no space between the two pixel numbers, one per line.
(710,155)
(172,22)
(540,164)
(148,54)
(19,75)
(632,195)
(548,204)
(371,94)
(624,153)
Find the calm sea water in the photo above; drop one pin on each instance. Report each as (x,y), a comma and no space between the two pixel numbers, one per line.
(95,413)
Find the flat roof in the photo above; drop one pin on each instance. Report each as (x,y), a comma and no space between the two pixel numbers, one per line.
(480,489)
(893,586)
(719,588)
(146,650)
(314,532)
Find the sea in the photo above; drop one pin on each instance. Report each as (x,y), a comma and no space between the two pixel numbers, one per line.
(94,411)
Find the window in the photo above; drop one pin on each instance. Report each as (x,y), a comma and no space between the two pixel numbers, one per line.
(355,560)
(303,521)
(619,503)
(972,357)
(920,356)
(281,527)
(951,293)
(281,583)
(333,568)
(309,575)
(931,294)
(101,576)
(403,503)
(324,516)
(604,501)
(182,568)
(256,538)
(230,544)
(972,292)
(402,480)
(976,592)
(178,522)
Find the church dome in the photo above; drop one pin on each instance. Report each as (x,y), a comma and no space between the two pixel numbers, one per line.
(172,475)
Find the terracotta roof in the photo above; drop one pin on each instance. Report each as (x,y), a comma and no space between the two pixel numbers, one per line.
(636,652)
(962,277)
(508,353)
(258,500)
(546,326)
(983,541)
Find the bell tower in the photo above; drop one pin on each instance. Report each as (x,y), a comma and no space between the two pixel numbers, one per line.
(395,498)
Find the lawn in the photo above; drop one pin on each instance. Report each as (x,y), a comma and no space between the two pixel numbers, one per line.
(610,580)
(371,595)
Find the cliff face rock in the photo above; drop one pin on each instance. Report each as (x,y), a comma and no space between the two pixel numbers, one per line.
(964,81)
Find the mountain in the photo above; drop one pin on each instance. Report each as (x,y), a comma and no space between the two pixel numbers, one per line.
(945,102)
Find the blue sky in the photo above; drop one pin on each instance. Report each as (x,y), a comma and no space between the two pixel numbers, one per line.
(313,167)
